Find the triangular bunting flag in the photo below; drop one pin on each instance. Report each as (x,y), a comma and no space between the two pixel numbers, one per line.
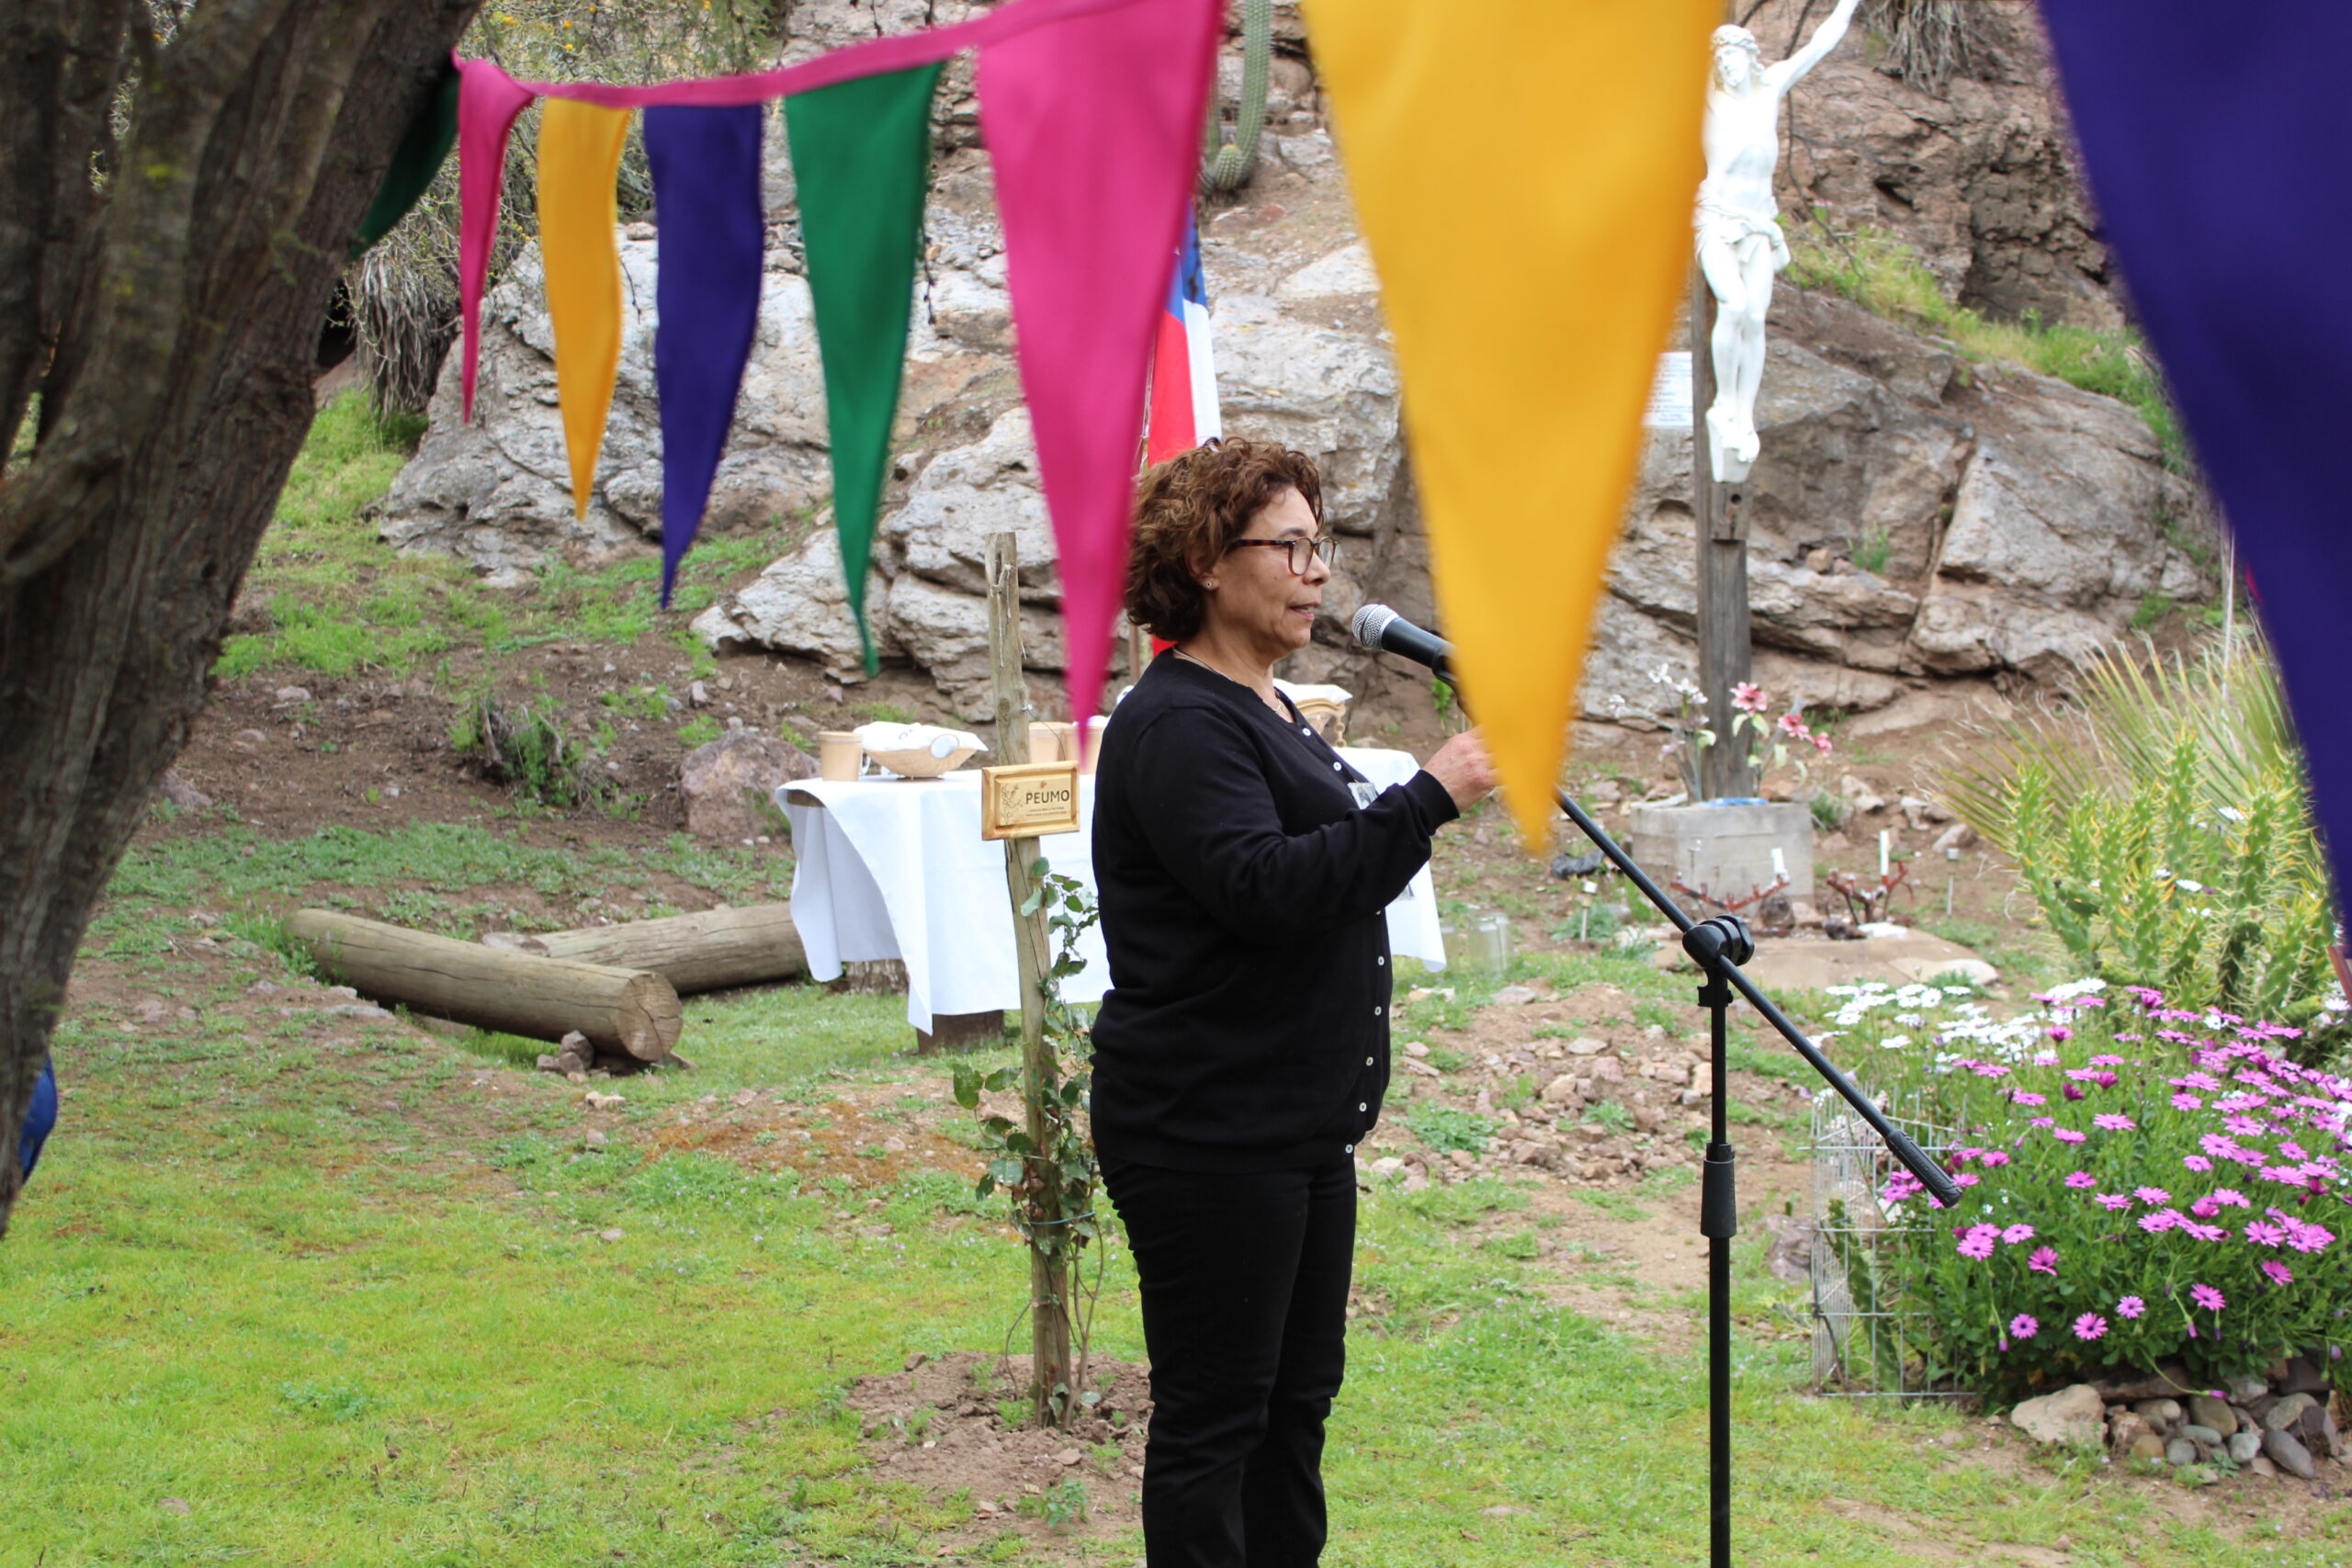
(713,230)
(423,148)
(861,152)
(2210,137)
(1094,125)
(488,101)
(580,157)
(1529,256)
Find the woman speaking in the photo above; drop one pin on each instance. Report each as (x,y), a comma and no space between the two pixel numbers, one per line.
(1243,872)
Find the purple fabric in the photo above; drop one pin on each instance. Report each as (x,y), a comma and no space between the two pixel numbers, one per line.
(2213,134)
(713,229)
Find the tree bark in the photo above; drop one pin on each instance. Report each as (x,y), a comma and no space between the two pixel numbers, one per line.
(167,317)
(630,1013)
(694,952)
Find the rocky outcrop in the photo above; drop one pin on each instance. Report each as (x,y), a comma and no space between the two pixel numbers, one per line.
(1916,518)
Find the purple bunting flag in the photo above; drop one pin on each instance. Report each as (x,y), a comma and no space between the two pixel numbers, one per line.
(713,228)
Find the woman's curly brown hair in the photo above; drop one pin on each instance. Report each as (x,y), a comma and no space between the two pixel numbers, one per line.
(1189,510)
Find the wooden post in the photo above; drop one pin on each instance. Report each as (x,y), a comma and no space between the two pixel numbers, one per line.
(1049,1281)
(1723,651)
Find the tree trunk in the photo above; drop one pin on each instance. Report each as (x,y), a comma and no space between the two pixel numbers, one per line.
(628,1013)
(694,952)
(169,322)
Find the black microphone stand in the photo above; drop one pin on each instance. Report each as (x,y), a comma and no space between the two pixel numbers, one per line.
(1719,946)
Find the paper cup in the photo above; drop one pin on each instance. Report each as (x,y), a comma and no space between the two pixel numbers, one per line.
(839,756)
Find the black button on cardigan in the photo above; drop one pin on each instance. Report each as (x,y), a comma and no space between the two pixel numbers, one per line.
(1244,896)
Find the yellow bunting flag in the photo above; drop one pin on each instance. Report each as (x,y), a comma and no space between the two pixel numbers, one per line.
(1525,171)
(580,157)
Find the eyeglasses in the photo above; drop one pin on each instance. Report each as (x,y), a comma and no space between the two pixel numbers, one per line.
(1324,548)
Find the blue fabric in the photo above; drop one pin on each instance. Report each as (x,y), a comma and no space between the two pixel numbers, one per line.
(705,165)
(2213,137)
(38,1120)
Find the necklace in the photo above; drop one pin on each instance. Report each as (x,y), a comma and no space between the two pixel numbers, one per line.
(1274,702)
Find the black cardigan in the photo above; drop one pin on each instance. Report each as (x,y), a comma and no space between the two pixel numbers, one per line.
(1243,894)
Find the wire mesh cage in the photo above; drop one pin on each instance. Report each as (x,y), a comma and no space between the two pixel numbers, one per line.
(1872,1335)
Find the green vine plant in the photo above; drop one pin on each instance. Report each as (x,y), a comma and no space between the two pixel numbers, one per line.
(1051,1184)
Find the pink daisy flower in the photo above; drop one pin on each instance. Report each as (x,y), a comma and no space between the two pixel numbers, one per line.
(2130,1306)
(2279,1273)
(2043,1261)
(2081,1179)
(2023,1327)
(2067,1134)
(2208,1297)
(2186,1101)
(2114,1121)
(2197,1162)
(2090,1325)
(2026,1096)
(2111,1200)
(2231,1196)
(2017,1234)
(2151,1195)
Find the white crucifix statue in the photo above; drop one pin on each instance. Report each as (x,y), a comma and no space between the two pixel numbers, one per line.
(1740,244)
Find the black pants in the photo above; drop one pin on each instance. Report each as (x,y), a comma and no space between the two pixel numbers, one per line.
(1245,1302)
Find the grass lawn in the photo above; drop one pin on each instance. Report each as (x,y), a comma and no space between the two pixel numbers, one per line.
(307,1290)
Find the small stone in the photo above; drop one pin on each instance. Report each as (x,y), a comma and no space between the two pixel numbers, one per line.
(2147,1446)
(1818,560)
(2245,1388)
(1067,1457)
(1462,1159)
(2180,1451)
(2260,1465)
(698,695)
(2244,1445)
(2208,1411)
(2204,1436)
(1586,1046)
(577,1043)
(2289,1454)
(595,1138)
(2124,1429)
(2287,1412)
(1561,1091)
(615,1234)
(251,738)
(288,695)
(1386,1165)
(1505,1511)
(2072,1414)
(547,1062)
(174,1505)
(1517,996)
(595,1101)
(2163,1414)
(262,988)
(1416,1050)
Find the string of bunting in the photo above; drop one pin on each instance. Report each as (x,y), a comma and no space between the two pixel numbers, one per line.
(1090,111)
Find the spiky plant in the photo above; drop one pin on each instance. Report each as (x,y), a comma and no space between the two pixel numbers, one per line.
(2165,829)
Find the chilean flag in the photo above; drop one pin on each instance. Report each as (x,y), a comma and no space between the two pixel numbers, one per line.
(1183,412)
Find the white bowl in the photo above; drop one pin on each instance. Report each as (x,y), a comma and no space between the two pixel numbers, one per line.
(917,750)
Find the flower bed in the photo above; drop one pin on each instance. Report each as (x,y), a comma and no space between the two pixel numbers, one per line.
(2144,1185)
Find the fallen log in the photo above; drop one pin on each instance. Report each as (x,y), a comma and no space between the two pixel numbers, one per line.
(623,1011)
(701,952)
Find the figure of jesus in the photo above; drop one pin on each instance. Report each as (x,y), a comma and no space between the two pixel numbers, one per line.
(1740,243)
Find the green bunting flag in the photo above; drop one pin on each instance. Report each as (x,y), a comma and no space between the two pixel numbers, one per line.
(415,161)
(860,156)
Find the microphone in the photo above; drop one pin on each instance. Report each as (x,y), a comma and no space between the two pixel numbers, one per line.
(1378,626)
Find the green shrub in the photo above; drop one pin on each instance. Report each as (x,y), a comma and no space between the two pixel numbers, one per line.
(2176,847)
(2144,1184)
(528,750)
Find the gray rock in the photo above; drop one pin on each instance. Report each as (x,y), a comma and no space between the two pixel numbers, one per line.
(2072,1414)
(2180,1451)
(182,794)
(2204,1436)
(2260,1465)
(2290,1455)
(727,784)
(2245,1388)
(2303,1376)
(2208,1411)
(2163,1414)
(2244,1445)
(615,1234)
(1517,996)
(2288,1412)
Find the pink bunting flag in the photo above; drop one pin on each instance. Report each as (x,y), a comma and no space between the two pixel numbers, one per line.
(488,101)
(1094,126)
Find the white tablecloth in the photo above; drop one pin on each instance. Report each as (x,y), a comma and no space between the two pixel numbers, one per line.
(895,868)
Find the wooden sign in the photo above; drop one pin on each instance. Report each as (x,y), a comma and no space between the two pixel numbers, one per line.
(1029,800)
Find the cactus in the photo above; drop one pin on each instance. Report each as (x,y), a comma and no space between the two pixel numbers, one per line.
(1227,165)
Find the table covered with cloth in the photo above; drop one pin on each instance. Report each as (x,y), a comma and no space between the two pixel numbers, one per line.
(895,868)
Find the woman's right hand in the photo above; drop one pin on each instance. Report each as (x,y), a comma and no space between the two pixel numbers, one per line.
(1463,766)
